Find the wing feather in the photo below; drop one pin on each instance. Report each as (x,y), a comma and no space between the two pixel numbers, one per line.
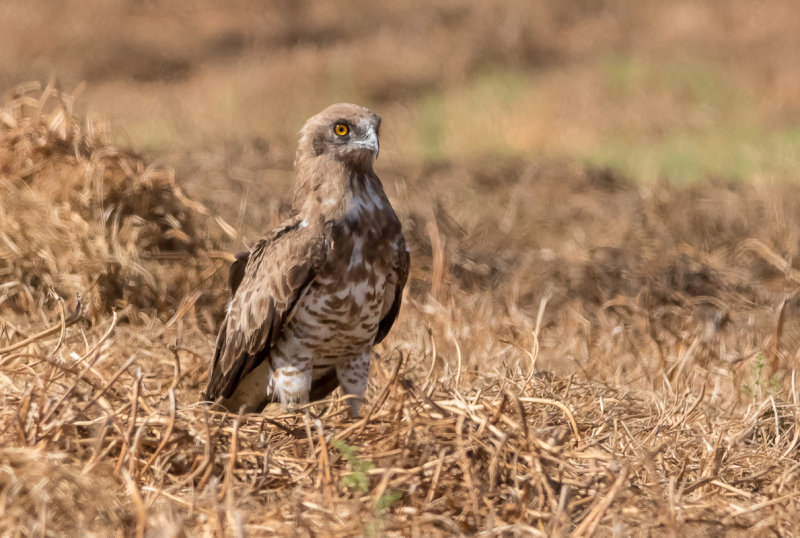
(391,309)
(266,286)
(236,271)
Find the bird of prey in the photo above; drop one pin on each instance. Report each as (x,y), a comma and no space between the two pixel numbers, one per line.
(315,294)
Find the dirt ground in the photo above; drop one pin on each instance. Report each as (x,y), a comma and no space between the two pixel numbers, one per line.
(600,331)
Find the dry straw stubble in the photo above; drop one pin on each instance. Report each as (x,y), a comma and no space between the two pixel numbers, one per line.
(671,422)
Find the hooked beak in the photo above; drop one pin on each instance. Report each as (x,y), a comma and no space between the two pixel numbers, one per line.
(369,142)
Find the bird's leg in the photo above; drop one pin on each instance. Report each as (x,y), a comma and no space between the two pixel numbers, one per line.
(291,379)
(353,374)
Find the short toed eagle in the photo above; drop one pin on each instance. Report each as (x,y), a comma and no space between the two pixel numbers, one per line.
(315,294)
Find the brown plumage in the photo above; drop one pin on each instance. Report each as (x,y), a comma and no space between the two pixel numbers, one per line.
(315,294)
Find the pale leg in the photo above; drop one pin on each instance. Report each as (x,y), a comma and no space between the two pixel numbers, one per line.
(353,374)
(291,379)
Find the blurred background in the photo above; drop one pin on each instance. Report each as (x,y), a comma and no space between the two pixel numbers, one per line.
(681,90)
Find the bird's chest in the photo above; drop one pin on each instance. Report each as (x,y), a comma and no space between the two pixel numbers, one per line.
(363,249)
(349,287)
(340,312)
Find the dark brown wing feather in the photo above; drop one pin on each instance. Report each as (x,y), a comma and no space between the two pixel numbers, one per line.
(276,272)
(322,386)
(236,272)
(402,275)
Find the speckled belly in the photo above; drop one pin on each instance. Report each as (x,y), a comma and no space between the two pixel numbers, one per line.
(336,319)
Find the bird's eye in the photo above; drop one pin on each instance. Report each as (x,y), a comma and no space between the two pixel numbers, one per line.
(341,129)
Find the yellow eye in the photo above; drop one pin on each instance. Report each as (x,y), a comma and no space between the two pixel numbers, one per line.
(341,129)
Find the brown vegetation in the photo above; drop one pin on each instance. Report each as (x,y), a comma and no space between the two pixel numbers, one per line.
(584,347)
(673,305)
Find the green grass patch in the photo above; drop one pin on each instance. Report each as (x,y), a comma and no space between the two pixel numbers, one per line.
(681,156)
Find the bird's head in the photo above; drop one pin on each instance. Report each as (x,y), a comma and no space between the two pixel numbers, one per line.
(343,131)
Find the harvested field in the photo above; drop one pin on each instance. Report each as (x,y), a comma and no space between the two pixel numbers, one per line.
(578,353)
(682,415)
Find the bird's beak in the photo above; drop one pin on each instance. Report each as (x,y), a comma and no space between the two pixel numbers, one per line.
(370,142)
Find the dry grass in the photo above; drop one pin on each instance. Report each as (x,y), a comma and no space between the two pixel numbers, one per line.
(82,216)
(576,355)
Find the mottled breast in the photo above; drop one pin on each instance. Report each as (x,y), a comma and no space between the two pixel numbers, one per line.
(338,316)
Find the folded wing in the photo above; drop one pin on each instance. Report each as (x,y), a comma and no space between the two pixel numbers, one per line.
(266,284)
(394,294)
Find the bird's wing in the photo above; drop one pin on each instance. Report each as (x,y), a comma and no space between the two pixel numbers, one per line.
(236,271)
(394,294)
(276,272)
(321,387)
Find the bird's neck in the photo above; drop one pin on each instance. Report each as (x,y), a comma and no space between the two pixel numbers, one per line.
(329,190)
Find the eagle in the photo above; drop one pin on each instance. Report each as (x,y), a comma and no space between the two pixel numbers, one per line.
(315,294)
